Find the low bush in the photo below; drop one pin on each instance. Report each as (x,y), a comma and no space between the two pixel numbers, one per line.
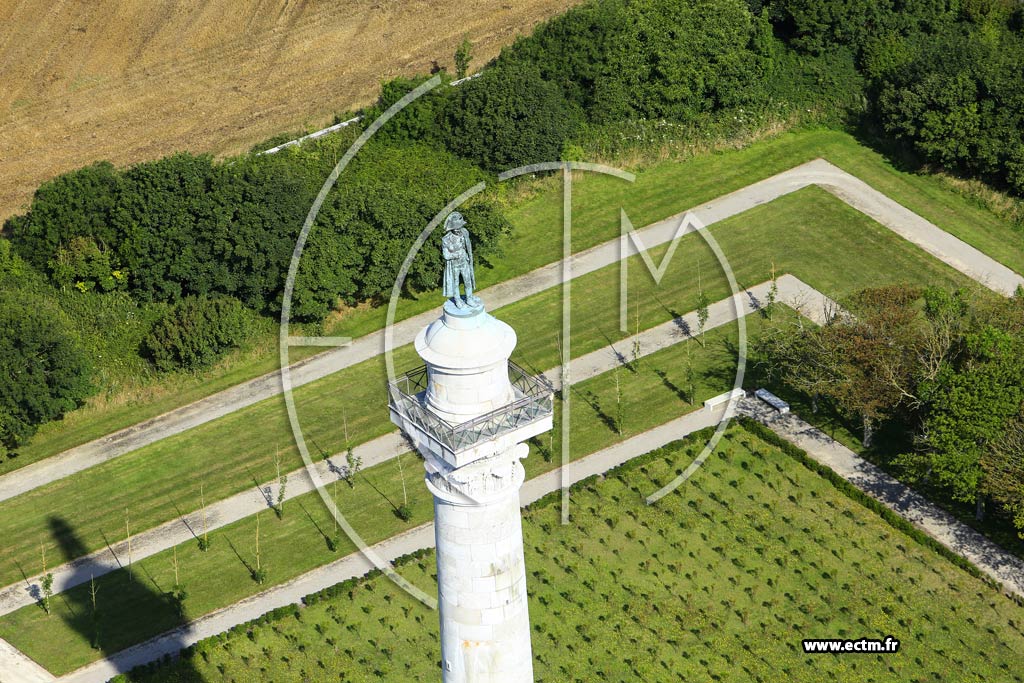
(508,117)
(195,332)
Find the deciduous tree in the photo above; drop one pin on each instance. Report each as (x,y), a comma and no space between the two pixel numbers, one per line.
(44,371)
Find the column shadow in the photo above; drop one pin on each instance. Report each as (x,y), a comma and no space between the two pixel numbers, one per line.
(123,599)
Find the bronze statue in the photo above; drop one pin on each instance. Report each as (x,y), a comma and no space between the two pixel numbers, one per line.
(458,261)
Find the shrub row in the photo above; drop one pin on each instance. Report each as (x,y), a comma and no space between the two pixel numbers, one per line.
(185,226)
(892,518)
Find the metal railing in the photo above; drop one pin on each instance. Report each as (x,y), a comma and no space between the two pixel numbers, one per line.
(534,401)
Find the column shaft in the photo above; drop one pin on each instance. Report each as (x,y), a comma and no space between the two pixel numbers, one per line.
(481,574)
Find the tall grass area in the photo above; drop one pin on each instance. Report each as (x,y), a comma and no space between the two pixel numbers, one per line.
(663,187)
(799,233)
(720,580)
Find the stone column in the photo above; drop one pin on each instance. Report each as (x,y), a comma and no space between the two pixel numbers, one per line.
(485,627)
(481,573)
(469,421)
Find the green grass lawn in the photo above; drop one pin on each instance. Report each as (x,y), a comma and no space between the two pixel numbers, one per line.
(661,189)
(719,581)
(136,404)
(136,606)
(800,233)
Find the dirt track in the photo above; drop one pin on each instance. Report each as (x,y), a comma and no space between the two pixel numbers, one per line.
(128,81)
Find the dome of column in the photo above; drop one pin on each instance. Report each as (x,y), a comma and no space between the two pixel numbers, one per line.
(466,352)
(465,338)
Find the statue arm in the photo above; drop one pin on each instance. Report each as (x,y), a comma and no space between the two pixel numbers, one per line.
(469,246)
(447,251)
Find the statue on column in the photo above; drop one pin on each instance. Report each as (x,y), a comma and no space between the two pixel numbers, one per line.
(458,262)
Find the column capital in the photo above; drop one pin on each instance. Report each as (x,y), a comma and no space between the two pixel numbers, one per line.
(481,481)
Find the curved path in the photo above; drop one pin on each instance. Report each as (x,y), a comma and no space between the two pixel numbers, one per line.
(846,187)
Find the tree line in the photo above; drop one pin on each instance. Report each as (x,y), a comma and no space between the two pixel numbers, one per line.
(187,240)
(195,251)
(186,226)
(942,78)
(942,371)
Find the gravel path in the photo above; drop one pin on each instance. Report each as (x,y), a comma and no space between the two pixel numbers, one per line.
(846,187)
(17,668)
(792,292)
(1004,568)
(356,564)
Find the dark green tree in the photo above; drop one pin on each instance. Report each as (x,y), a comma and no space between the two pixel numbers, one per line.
(967,409)
(76,204)
(195,332)
(571,50)
(956,97)
(417,120)
(367,226)
(184,226)
(681,59)
(508,117)
(173,217)
(463,57)
(817,26)
(1002,466)
(44,373)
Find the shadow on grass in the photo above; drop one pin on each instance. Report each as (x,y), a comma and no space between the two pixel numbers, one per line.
(591,400)
(901,156)
(673,387)
(330,541)
(98,616)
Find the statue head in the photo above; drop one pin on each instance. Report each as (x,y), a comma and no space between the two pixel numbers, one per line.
(454,221)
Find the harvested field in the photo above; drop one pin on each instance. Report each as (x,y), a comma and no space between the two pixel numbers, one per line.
(129,81)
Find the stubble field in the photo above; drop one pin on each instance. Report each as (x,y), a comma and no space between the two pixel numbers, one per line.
(80,82)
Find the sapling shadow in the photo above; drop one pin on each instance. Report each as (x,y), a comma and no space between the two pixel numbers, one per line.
(248,567)
(673,387)
(591,400)
(332,543)
(401,511)
(184,521)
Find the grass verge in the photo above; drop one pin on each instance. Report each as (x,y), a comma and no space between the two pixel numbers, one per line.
(799,233)
(135,604)
(661,189)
